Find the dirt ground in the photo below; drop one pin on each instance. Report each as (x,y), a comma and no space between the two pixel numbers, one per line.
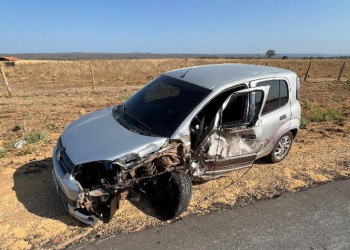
(47,96)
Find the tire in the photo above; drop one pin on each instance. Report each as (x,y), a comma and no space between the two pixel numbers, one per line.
(281,149)
(172,194)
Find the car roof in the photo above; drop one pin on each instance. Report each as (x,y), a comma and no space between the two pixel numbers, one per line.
(210,76)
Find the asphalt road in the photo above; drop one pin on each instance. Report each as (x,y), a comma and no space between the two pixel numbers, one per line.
(314,219)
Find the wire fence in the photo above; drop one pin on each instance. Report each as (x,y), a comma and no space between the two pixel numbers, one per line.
(98,73)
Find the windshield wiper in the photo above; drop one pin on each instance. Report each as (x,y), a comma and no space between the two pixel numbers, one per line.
(139,122)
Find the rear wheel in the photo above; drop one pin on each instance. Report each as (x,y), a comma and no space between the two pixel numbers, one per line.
(281,149)
(171,193)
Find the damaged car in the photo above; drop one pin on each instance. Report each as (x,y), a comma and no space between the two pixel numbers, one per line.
(189,124)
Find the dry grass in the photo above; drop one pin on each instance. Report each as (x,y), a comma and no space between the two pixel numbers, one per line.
(134,71)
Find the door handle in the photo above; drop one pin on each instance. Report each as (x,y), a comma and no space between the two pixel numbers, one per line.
(282,117)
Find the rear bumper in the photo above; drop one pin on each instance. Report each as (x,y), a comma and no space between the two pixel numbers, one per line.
(68,190)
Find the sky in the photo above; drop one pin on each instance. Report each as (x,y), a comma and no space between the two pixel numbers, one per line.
(182,26)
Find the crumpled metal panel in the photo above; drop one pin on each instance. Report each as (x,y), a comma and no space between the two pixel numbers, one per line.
(227,145)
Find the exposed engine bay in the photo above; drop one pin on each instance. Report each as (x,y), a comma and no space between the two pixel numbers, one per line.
(103,184)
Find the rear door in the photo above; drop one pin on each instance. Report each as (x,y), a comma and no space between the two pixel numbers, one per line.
(276,115)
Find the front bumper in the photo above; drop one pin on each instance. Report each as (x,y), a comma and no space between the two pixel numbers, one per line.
(69,191)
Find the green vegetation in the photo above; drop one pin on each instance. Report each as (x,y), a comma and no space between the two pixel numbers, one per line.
(51,125)
(28,150)
(33,137)
(36,136)
(96,92)
(2,152)
(309,106)
(304,122)
(348,82)
(337,99)
(323,116)
(9,145)
(285,57)
(333,114)
(317,115)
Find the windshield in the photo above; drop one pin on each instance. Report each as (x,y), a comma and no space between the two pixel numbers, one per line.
(160,107)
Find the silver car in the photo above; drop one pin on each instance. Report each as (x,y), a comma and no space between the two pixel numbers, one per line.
(189,124)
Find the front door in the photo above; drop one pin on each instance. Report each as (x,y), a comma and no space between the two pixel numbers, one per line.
(234,138)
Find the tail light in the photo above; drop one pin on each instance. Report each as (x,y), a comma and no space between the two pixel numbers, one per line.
(298,89)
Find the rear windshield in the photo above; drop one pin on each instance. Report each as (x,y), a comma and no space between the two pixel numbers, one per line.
(160,107)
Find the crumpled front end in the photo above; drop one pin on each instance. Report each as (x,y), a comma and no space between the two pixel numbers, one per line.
(92,191)
(69,190)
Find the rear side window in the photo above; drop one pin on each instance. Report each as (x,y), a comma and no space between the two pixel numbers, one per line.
(278,95)
(283,93)
(242,109)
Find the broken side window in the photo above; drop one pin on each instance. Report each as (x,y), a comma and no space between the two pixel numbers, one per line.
(235,111)
(242,109)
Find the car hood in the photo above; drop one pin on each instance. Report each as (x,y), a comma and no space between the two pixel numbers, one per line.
(99,137)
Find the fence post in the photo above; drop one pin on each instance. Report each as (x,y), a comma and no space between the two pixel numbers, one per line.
(307,72)
(8,90)
(341,71)
(92,77)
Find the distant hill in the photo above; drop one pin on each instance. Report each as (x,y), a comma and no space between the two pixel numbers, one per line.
(89,56)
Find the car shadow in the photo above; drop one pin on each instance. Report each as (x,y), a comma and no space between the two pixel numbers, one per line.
(143,202)
(35,189)
(261,161)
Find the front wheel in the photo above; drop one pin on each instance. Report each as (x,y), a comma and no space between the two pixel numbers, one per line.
(281,149)
(171,193)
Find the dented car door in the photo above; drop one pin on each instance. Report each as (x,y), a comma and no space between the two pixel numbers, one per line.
(234,140)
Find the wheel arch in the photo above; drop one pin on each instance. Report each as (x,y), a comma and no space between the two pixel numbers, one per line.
(294,132)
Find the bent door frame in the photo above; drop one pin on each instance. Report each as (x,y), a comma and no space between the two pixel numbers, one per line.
(247,135)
